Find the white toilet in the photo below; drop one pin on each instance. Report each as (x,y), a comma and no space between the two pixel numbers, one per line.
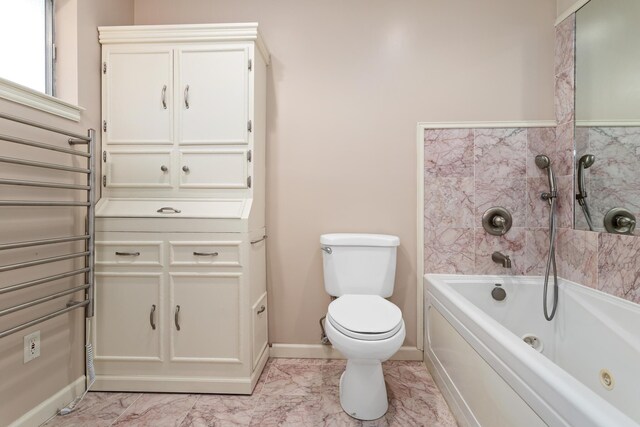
(367,329)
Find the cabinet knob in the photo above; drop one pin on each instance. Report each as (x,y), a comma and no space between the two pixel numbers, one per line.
(185,168)
(163,168)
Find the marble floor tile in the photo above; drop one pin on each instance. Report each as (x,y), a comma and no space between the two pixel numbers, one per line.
(290,392)
(97,409)
(157,410)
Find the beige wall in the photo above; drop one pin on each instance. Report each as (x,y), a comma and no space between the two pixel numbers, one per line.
(24,386)
(347,85)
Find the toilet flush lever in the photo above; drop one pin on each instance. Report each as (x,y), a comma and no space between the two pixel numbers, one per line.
(327,249)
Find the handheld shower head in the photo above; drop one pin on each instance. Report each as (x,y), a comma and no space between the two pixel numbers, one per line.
(587,160)
(542,161)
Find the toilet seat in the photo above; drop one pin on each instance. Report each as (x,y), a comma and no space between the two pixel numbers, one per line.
(365,317)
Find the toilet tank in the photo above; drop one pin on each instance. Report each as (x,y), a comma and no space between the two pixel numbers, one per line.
(361,264)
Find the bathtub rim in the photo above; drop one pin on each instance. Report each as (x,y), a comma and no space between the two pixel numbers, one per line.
(555,395)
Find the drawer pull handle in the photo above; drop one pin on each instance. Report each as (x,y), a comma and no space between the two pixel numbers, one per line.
(176,317)
(253,242)
(262,309)
(169,210)
(127,253)
(205,253)
(152,317)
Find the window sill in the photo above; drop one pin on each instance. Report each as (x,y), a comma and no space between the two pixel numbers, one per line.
(40,101)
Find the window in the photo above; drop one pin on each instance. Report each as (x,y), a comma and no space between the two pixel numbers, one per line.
(26,43)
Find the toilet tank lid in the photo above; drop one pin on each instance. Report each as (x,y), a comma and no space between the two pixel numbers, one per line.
(354,239)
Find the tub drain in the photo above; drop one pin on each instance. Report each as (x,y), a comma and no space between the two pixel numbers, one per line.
(533,341)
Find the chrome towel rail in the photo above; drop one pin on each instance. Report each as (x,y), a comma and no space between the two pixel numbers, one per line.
(26,325)
(88,237)
(45,127)
(43,165)
(22,182)
(17,245)
(40,281)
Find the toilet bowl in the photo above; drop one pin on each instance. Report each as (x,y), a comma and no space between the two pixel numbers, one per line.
(359,269)
(366,336)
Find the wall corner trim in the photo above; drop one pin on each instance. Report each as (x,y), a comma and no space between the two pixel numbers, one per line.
(50,406)
(570,11)
(19,94)
(319,351)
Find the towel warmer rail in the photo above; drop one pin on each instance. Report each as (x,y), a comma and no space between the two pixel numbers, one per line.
(88,237)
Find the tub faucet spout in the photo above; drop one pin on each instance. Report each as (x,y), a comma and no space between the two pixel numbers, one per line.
(500,258)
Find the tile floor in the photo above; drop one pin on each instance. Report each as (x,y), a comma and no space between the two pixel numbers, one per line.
(291,392)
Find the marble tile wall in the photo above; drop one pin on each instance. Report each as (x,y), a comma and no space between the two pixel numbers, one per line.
(470,170)
(607,262)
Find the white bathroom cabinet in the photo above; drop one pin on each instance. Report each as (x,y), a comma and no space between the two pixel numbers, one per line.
(181,302)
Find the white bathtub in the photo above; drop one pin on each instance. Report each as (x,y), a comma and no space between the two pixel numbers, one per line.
(491,377)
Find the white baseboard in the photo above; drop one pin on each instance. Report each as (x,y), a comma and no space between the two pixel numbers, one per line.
(319,351)
(49,407)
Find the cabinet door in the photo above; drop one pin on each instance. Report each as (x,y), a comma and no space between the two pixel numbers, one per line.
(213,169)
(212,95)
(138,91)
(149,169)
(205,323)
(128,317)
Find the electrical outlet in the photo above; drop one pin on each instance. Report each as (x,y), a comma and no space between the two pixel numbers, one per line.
(31,346)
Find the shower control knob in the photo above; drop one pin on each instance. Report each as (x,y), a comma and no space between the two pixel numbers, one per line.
(497,221)
(620,221)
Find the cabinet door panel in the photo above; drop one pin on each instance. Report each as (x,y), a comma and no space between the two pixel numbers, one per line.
(150,169)
(138,93)
(208,317)
(212,96)
(259,328)
(125,317)
(214,169)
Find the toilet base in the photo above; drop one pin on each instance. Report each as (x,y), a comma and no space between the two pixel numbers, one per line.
(363,393)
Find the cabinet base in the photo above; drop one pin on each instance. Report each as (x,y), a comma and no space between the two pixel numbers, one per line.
(171,384)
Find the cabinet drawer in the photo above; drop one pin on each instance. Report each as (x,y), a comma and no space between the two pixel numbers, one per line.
(213,169)
(149,169)
(259,328)
(129,253)
(222,254)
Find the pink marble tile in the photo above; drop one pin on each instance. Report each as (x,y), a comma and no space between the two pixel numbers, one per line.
(512,244)
(539,141)
(220,410)
(563,161)
(296,379)
(566,197)
(500,153)
(564,97)
(618,266)
(448,152)
(607,193)
(537,209)
(97,409)
(448,202)
(317,410)
(449,250)
(509,193)
(157,410)
(565,42)
(577,256)
(536,251)
(616,151)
